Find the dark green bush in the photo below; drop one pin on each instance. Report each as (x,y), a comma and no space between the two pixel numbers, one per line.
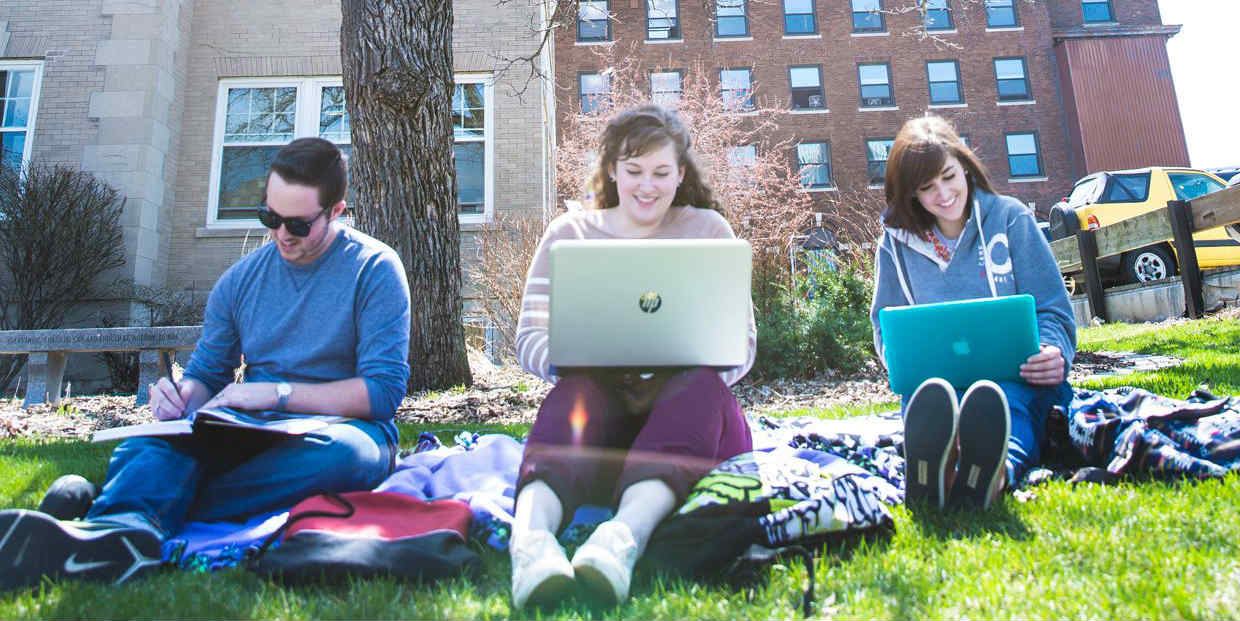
(820,323)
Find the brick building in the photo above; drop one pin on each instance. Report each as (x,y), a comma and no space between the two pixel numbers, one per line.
(1045,91)
(141,93)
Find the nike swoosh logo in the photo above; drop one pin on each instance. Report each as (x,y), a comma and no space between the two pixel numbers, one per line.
(73,567)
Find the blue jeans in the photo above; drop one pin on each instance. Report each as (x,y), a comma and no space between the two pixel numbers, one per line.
(1028,408)
(160,483)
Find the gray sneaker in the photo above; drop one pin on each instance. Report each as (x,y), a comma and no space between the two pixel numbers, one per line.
(604,563)
(34,544)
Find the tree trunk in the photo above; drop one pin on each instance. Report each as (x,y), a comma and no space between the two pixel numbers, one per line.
(397,59)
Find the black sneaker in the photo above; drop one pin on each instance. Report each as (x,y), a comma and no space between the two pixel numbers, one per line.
(34,544)
(69,497)
(929,434)
(984,428)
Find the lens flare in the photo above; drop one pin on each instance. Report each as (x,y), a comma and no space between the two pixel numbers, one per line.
(577,419)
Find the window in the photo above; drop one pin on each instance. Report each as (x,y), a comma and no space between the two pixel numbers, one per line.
(1000,14)
(662,20)
(256,117)
(665,88)
(799,17)
(1097,11)
(876,159)
(1023,160)
(741,161)
(1188,186)
(735,88)
(938,15)
(1010,79)
(731,19)
(806,87)
(944,79)
(875,85)
(867,16)
(594,89)
(472,145)
(19,101)
(814,164)
(592,22)
(1127,188)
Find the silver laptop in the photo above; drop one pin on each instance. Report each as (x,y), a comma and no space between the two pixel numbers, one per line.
(650,303)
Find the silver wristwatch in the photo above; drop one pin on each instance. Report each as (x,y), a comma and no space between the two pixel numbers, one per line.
(284,390)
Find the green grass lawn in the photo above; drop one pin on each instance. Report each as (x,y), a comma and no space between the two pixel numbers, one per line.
(1136,550)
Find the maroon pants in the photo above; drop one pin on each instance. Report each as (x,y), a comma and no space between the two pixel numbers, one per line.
(588,448)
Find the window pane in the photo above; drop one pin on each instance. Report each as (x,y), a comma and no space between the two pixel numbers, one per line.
(1023,165)
(744,155)
(876,150)
(730,8)
(1009,68)
(731,27)
(941,72)
(873,74)
(798,6)
(22,84)
(865,5)
(12,146)
(243,175)
(470,177)
(1021,144)
(468,111)
(1000,13)
(260,114)
(16,112)
(1013,89)
(734,78)
(1189,186)
(333,118)
(592,20)
(593,91)
(661,20)
(798,24)
(803,76)
(1097,11)
(938,17)
(665,88)
(867,21)
(944,92)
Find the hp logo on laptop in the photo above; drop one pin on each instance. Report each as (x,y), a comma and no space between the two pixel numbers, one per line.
(649,302)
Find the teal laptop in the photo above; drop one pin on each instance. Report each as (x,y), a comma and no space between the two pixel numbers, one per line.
(961,342)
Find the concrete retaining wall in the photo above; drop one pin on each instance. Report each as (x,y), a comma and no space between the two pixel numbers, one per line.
(1160,300)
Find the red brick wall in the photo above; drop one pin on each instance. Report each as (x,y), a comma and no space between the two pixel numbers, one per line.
(838,52)
(1067,13)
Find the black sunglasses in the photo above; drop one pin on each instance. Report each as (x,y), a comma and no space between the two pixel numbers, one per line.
(296,226)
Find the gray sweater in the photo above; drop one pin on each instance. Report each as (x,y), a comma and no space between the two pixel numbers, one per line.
(907,270)
(345,315)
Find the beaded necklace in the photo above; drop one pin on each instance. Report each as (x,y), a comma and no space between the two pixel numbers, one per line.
(939,247)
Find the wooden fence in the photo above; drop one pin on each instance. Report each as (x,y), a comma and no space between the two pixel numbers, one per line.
(1177,221)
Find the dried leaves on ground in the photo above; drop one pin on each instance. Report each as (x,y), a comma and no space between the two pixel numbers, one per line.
(503,395)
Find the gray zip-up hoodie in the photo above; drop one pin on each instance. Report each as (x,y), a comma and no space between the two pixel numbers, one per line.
(1016,260)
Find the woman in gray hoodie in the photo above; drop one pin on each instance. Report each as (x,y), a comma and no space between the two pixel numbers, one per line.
(948,237)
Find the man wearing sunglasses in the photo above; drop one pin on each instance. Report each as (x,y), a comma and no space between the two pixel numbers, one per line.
(321,317)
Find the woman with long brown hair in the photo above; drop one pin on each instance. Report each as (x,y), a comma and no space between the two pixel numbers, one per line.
(948,237)
(637,442)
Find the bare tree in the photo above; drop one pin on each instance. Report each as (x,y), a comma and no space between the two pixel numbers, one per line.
(397,59)
(752,174)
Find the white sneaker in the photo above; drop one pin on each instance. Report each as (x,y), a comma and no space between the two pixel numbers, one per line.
(541,573)
(604,563)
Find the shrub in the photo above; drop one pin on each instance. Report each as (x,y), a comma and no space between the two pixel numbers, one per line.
(164,307)
(59,230)
(821,323)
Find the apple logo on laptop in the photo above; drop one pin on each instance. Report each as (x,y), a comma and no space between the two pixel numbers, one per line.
(960,348)
(649,302)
